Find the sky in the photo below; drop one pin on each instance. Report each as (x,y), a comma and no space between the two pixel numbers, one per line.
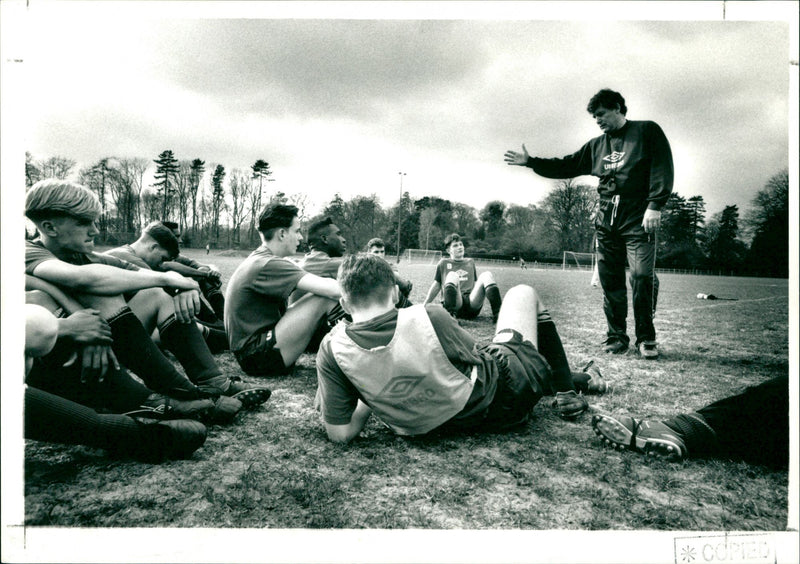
(343,100)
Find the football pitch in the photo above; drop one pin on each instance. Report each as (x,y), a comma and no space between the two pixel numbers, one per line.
(275,468)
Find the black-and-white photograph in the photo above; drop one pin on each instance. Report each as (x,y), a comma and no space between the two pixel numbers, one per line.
(399,281)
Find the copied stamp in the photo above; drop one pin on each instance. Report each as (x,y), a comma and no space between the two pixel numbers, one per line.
(723,548)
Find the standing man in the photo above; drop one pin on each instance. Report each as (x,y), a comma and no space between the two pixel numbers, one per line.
(633,161)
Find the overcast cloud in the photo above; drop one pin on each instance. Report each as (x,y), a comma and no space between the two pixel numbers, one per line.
(340,105)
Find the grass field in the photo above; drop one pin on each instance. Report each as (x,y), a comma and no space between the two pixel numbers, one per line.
(275,468)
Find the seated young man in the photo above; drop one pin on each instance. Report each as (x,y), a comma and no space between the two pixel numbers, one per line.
(133,301)
(377,247)
(419,371)
(327,246)
(267,335)
(212,306)
(463,291)
(752,426)
(155,248)
(53,418)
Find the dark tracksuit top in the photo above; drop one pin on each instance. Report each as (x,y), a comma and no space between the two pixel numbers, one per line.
(640,171)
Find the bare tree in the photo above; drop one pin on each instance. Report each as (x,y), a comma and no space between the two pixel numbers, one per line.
(131,175)
(239,187)
(427,218)
(569,206)
(32,172)
(56,167)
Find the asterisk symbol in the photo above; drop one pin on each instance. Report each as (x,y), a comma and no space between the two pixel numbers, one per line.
(687,554)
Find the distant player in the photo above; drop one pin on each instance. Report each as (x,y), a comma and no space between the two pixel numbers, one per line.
(419,371)
(522,264)
(377,247)
(463,291)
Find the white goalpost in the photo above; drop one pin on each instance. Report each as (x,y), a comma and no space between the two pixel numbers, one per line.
(421,256)
(581,261)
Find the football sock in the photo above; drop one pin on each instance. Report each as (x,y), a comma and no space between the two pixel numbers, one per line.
(118,391)
(51,418)
(552,350)
(136,351)
(450,297)
(217,301)
(216,339)
(493,295)
(186,343)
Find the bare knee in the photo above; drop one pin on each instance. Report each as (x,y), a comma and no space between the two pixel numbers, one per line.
(522,292)
(452,278)
(41,298)
(486,278)
(41,330)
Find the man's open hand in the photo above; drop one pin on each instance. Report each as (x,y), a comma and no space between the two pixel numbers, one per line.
(519,159)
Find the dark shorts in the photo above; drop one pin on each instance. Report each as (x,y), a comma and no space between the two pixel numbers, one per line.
(466,311)
(523,374)
(262,357)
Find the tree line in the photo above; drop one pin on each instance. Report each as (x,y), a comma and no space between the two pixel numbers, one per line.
(220,207)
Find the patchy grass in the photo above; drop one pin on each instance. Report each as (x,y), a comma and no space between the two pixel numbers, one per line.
(274,467)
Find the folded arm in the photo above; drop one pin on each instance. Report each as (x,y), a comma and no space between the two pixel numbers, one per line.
(106,280)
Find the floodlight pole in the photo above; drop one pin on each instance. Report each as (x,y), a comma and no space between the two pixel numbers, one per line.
(399,215)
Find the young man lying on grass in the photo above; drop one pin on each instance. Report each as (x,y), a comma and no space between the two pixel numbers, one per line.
(419,371)
(752,426)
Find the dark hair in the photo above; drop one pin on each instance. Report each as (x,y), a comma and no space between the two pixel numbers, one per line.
(365,279)
(276,216)
(608,99)
(316,230)
(452,238)
(375,242)
(164,236)
(171,225)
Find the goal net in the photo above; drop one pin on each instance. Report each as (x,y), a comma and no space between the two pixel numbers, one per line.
(581,261)
(420,256)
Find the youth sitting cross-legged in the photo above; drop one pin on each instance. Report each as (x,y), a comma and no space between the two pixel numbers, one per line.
(419,371)
(463,291)
(267,335)
(133,301)
(55,418)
